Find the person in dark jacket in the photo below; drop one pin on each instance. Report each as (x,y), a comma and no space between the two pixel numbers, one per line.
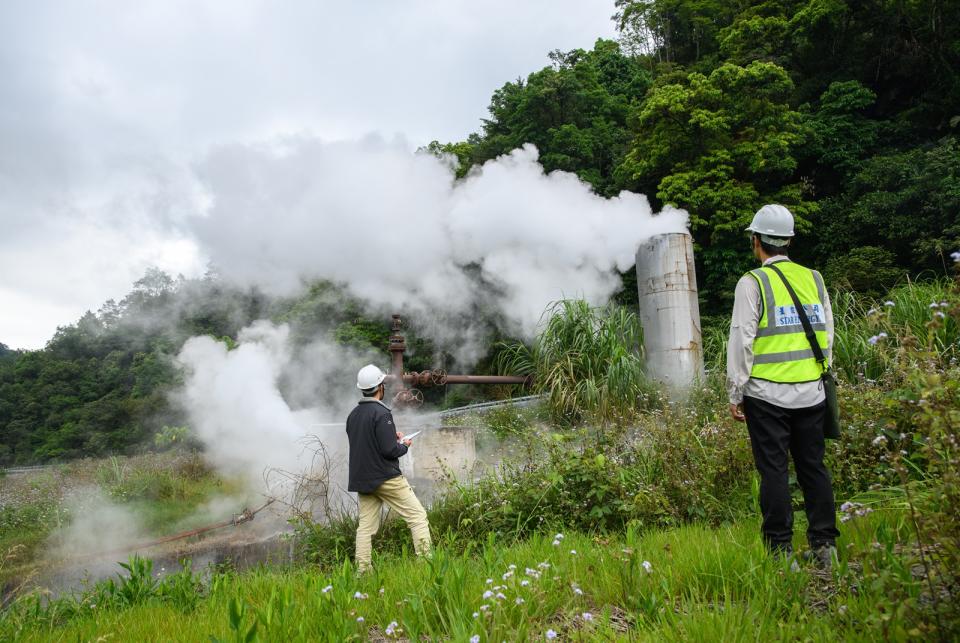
(375,450)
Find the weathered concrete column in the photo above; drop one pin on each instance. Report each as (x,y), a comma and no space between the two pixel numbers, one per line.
(669,311)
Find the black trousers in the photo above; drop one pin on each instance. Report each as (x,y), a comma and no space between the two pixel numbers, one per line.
(775,432)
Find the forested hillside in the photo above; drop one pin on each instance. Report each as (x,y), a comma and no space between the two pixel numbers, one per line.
(102,385)
(848,113)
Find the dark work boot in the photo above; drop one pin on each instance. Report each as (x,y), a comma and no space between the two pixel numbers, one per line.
(823,556)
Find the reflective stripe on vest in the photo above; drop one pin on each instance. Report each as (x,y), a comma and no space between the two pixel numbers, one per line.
(781,350)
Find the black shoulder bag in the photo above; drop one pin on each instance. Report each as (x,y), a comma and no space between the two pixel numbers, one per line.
(831,425)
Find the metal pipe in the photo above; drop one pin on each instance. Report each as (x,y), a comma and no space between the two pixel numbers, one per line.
(416,378)
(487,379)
(669,310)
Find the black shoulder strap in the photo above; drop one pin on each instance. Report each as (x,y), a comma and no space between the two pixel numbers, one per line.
(807,328)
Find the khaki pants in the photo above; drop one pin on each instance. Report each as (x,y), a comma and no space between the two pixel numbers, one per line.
(398,496)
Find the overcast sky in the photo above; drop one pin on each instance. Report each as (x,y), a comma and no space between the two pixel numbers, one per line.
(106,108)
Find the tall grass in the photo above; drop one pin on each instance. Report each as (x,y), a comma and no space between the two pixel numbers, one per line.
(589,361)
(870,334)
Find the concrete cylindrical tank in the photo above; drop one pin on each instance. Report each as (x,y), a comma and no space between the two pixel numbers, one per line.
(669,311)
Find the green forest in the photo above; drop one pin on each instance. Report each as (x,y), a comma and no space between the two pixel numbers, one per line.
(848,113)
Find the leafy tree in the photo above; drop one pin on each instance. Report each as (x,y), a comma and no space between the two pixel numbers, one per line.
(680,31)
(907,202)
(841,135)
(719,145)
(574,111)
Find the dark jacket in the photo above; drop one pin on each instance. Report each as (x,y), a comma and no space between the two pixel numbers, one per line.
(374,450)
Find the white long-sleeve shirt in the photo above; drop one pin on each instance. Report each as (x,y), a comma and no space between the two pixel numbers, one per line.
(743,330)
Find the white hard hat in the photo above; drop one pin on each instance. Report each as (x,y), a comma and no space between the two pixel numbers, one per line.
(370,377)
(774,220)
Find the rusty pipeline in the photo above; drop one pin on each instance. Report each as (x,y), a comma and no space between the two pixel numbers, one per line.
(404,384)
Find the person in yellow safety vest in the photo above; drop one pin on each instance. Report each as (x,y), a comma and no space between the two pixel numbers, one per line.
(773,382)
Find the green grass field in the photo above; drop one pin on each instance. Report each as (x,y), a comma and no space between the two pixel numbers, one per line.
(688,583)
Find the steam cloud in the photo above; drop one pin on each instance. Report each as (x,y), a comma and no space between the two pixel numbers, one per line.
(402,233)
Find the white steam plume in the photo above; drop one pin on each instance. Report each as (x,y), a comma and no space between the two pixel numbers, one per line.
(400,231)
(235,404)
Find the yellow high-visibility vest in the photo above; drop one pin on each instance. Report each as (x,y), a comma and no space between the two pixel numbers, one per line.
(781,351)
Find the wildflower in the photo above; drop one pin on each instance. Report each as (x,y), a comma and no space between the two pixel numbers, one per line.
(487,594)
(647,566)
(507,575)
(390,628)
(577,591)
(476,614)
(327,589)
(879,440)
(934,305)
(489,581)
(573,551)
(955,256)
(360,619)
(845,507)
(519,601)
(524,582)
(543,565)
(475,638)
(872,311)
(531,572)
(587,616)
(360,596)
(558,537)
(873,340)
(511,567)
(939,315)
(381,591)
(889,304)
(556,543)
(500,596)
(551,634)
(484,608)
(944,304)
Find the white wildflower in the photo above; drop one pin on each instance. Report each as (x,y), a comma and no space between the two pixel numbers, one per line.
(647,566)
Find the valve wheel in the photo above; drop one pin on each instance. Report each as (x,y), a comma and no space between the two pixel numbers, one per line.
(439,377)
